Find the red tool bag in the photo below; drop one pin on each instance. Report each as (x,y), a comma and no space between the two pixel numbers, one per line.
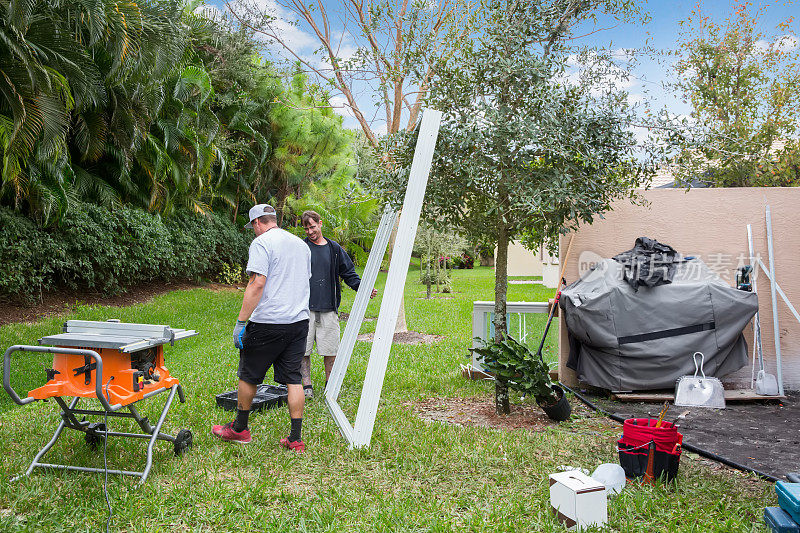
(642,441)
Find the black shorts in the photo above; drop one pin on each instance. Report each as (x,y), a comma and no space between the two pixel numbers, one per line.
(281,346)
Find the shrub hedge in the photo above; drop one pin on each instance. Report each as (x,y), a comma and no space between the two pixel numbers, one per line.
(107,250)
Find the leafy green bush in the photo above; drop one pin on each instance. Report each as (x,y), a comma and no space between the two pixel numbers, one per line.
(465,260)
(513,364)
(230,274)
(445,282)
(348,214)
(22,248)
(100,249)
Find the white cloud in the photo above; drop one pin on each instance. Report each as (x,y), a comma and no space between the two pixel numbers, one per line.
(680,118)
(380,129)
(346,52)
(340,107)
(294,37)
(611,78)
(787,43)
(688,74)
(640,134)
(624,55)
(284,24)
(635,99)
(602,74)
(344,47)
(208,11)
(761,46)
(618,78)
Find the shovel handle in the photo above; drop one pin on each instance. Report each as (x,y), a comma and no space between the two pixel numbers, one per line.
(700,368)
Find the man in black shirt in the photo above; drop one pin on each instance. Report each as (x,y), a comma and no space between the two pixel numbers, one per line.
(329,262)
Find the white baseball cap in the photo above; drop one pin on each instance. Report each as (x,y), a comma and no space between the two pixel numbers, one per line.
(259,211)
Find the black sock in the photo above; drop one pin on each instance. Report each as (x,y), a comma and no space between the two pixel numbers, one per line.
(242,417)
(297,426)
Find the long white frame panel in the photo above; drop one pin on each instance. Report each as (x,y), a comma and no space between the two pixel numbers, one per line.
(360,434)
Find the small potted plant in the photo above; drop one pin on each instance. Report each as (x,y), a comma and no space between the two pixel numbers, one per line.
(515,365)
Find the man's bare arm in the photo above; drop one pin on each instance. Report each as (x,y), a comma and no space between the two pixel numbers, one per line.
(252,295)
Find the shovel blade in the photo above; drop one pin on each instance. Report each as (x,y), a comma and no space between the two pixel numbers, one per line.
(766,384)
(700,392)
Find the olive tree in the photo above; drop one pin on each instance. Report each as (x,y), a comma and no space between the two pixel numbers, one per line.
(526,148)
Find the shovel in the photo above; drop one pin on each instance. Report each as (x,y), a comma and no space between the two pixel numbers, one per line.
(766,384)
(694,391)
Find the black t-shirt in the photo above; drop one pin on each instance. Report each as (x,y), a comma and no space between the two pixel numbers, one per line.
(321,298)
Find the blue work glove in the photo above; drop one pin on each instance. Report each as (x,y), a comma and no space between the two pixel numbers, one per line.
(238,333)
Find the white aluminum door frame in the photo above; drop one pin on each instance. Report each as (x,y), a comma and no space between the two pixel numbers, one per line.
(360,434)
(354,321)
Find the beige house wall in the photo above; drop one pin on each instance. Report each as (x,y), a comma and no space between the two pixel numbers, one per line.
(522,262)
(712,224)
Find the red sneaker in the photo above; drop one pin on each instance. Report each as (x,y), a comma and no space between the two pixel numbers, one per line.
(227,433)
(296,446)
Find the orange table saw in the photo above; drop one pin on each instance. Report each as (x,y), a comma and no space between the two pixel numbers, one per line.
(116,363)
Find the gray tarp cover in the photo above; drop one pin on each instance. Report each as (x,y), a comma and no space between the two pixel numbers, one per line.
(626,340)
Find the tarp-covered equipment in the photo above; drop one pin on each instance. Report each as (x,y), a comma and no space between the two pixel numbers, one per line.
(627,339)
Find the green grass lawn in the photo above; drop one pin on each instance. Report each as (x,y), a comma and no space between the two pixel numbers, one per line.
(416,476)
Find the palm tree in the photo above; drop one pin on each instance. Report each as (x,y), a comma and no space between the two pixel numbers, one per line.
(40,66)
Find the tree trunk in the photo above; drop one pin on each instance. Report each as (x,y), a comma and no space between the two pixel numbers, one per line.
(438,269)
(428,276)
(501,404)
(282,195)
(236,209)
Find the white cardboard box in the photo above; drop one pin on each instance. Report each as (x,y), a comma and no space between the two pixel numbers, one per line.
(578,500)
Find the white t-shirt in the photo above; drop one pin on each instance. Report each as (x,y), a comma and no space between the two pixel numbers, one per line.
(285,261)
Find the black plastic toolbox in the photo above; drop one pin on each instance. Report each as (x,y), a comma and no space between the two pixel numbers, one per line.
(267,397)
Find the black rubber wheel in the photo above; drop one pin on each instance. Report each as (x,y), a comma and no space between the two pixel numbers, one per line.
(183,441)
(92,440)
(90,435)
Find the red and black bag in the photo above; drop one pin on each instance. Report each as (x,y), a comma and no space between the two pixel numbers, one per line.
(641,438)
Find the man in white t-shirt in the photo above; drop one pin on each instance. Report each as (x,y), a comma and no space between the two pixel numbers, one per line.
(276,304)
